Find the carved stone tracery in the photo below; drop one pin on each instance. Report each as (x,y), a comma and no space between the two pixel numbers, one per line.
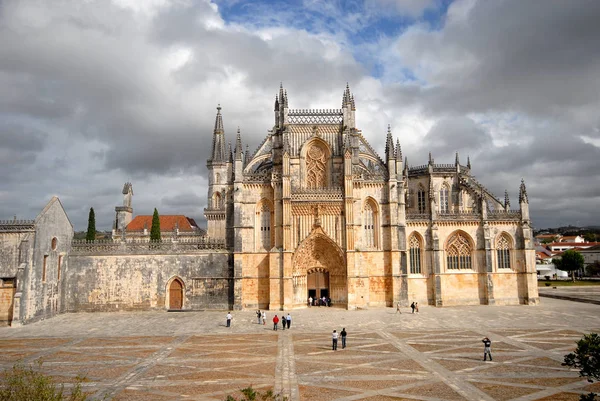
(316,168)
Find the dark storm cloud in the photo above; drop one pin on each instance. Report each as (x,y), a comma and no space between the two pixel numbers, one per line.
(95,94)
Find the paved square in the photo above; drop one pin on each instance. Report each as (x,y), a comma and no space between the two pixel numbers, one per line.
(432,355)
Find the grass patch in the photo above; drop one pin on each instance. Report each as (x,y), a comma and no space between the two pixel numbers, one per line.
(567,283)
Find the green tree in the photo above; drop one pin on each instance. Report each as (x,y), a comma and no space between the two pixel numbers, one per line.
(586,358)
(569,261)
(91,229)
(589,237)
(155,230)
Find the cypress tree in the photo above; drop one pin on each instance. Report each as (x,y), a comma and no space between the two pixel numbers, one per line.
(91,229)
(155,230)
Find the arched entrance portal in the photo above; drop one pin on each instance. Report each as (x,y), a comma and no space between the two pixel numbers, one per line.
(317,283)
(176,294)
(320,268)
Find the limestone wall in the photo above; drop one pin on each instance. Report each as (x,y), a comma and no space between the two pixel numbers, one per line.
(141,282)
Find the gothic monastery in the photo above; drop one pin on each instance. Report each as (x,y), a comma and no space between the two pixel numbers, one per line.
(313,213)
(316,212)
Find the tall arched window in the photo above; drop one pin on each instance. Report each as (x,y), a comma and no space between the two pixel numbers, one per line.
(444,199)
(369,225)
(264,219)
(316,167)
(503,252)
(217,178)
(217,200)
(458,251)
(414,245)
(421,200)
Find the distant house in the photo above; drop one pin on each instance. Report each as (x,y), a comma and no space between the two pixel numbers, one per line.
(591,255)
(545,238)
(572,238)
(544,265)
(175,225)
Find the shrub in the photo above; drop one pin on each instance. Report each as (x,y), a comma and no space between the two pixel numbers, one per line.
(23,383)
(252,395)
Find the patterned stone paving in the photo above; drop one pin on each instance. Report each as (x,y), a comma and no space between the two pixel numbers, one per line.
(434,355)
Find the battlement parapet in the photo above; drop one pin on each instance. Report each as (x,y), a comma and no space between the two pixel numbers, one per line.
(16,225)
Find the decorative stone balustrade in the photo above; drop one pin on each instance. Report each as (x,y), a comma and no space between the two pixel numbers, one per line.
(321,194)
(316,116)
(136,247)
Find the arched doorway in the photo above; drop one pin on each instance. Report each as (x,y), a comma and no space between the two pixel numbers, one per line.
(317,283)
(320,269)
(176,294)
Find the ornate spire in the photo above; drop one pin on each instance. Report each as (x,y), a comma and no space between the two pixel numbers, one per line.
(276,103)
(430,158)
(523,193)
(281,93)
(218,144)
(230,152)
(468,162)
(389,144)
(348,99)
(506,200)
(398,151)
(456,161)
(219,120)
(238,145)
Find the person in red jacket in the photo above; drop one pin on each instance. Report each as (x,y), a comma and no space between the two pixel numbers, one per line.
(275,322)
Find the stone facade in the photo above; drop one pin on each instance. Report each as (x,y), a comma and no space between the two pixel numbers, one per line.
(316,212)
(33,259)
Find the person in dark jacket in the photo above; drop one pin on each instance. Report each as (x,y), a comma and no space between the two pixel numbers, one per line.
(487,348)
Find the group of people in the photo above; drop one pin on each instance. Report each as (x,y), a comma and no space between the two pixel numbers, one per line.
(323,301)
(335,335)
(285,320)
(414,306)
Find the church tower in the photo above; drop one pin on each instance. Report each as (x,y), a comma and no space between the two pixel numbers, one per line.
(124,213)
(219,172)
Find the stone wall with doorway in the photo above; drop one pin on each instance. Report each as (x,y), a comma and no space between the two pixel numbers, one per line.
(97,282)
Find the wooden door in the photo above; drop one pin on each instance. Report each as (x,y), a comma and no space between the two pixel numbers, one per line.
(176,295)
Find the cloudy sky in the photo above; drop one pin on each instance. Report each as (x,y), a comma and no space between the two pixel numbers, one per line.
(97,93)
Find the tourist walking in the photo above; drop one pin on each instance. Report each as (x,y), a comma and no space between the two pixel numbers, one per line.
(412,306)
(275,322)
(487,348)
(288,318)
(398,308)
(310,301)
(417,307)
(229,317)
(258,315)
(334,337)
(343,334)
(264,317)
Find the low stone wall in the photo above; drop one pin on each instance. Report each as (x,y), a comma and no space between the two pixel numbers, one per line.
(141,282)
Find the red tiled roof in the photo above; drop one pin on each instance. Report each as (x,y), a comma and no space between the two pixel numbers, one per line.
(167,223)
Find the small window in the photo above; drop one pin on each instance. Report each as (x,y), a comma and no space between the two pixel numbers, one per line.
(54,243)
(58,270)
(44,267)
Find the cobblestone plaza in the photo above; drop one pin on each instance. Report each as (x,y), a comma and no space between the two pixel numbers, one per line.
(435,354)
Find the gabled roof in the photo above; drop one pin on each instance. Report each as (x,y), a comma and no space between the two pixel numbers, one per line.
(167,223)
